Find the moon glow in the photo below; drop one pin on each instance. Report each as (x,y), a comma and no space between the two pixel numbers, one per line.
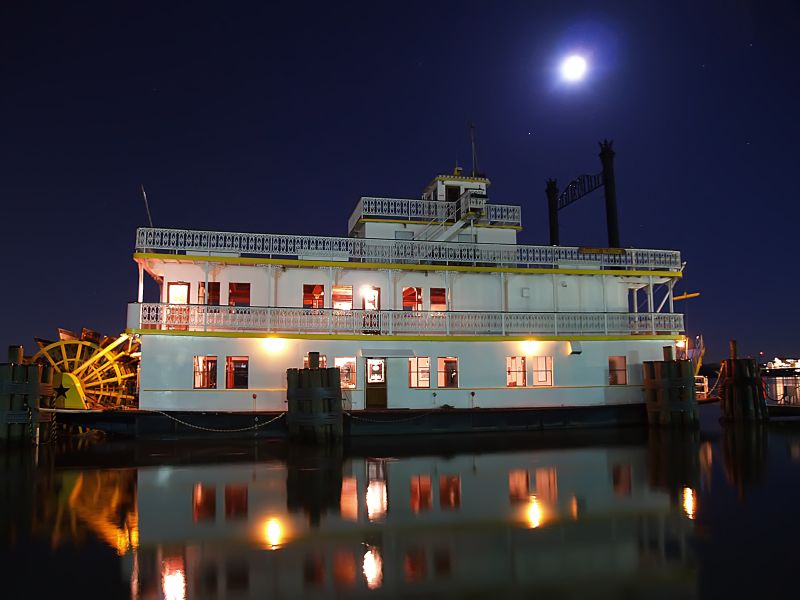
(573,68)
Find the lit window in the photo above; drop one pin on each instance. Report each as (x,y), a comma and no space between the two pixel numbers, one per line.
(518,485)
(622,480)
(447,369)
(323,362)
(547,484)
(313,295)
(449,491)
(343,297)
(515,371)
(178,292)
(213,293)
(617,370)
(412,298)
(542,370)
(438,299)
(204,502)
(238,294)
(347,371)
(421,493)
(370,297)
(377,493)
(236,368)
(375,370)
(348,502)
(205,372)
(235,502)
(419,372)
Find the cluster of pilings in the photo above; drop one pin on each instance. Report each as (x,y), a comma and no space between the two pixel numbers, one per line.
(23,387)
(669,392)
(742,397)
(314,397)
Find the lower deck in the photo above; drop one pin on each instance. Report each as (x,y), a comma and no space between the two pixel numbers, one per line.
(195,373)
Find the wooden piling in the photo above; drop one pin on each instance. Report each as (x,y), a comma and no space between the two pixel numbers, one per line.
(670,393)
(314,399)
(742,396)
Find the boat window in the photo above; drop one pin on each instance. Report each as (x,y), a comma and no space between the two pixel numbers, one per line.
(347,370)
(519,485)
(177,292)
(617,370)
(452,192)
(447,368)
(323,361)
(205,372)
(449,492)
(313,295)
(204,502)
(371,297)
(375,370)
(419,372)
(438,299)
(238,294)
(515,371)
(412,298)
(343,297)
(542,370)
(421,493)
(235,502)
(236,369)
(403,235)
(213,293)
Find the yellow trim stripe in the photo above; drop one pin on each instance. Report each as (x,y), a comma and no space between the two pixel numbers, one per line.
(292,262)
(412,389)
(423,222)
(402,338)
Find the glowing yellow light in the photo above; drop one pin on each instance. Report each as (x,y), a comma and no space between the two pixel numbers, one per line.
(680,344)
(531,347)
(689,502)
(534,513)
(173,581)
(376,500)
(273,532)
(373,568)
(274,345)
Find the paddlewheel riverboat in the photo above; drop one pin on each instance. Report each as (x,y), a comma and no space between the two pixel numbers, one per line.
(428,304)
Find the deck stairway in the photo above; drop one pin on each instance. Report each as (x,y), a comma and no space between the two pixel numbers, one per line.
(469,207)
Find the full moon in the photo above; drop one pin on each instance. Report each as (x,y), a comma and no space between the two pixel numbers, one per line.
(573,68)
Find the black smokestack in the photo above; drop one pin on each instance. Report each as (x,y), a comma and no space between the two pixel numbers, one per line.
(610,188)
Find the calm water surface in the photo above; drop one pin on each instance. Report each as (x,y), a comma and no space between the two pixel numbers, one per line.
(609,514)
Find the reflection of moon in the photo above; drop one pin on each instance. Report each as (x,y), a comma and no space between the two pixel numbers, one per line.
(573,68)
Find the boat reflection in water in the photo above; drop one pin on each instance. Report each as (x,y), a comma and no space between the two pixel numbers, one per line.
(580,520)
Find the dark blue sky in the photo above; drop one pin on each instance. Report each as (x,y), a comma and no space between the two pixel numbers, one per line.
(276,117)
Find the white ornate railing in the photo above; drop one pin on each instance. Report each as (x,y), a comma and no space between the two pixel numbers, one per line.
(426,211)
(271,245)
(194,317)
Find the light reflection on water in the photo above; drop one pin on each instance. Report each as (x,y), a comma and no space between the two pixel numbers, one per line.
(565,513)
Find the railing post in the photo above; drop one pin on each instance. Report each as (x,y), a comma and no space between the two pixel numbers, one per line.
(391,324)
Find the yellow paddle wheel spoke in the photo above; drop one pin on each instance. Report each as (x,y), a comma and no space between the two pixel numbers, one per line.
(90,370)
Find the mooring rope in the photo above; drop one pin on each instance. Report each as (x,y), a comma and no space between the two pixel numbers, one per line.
(214,429)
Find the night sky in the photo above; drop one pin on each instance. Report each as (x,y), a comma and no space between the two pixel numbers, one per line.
(277,117)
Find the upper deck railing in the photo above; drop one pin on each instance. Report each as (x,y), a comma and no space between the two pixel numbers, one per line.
(425,211)
(183,241)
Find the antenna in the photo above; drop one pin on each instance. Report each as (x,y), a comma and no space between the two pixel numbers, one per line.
(146,206)
(474,151)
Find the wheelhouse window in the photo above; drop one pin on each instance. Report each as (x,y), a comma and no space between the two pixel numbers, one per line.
(542,370)
(412,298)
(438,299)
(343,297)
(323,362)
(447,370)
(347,371)
(238,294)
(205,372)
(371,297)
(313,295)
(419,372)
(617,370)
(515,371)
(212,299)
(236,372)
